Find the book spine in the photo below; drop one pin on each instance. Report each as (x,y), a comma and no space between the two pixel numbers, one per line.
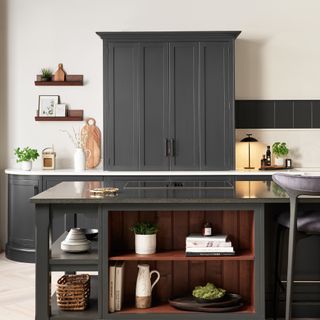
(217,249)
(208,254)
(119,286)
(112,278)
(207,244)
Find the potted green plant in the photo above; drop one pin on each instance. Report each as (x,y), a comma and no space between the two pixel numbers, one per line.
(280,151)
(26,156)
(46,74)
(145,237)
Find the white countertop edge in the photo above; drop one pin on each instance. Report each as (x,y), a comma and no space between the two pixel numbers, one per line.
(97,172)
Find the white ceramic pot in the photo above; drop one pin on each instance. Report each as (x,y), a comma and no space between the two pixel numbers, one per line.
(145,243)
(279,161)
(26,165)
(75,241)
(79,159)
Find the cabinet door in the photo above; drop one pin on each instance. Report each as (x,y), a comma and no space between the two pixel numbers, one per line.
(216,106)
(183,105)
(21,217)
(153,106)
(121,148)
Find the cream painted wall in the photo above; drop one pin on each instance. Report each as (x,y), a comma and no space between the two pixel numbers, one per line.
(277,55)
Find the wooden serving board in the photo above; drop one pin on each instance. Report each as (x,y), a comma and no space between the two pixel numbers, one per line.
(274,168)
(93,143)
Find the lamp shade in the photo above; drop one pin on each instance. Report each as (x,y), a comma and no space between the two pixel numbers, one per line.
(249,138)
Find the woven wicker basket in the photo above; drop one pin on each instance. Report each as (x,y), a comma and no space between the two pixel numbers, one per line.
(73,292)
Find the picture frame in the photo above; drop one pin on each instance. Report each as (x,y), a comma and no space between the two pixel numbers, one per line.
(47,104)
(60,110)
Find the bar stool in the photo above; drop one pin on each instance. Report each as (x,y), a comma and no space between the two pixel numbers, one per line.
(300,225)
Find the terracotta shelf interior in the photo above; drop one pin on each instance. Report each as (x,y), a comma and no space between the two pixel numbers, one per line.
(72,115)
(180,274)
(71,80)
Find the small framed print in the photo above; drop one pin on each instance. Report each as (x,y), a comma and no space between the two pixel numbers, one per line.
(61,110)
(47,106)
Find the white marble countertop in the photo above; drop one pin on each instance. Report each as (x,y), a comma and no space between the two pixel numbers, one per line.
(99,172)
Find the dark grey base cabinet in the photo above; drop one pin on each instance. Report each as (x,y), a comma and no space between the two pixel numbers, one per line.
(21,214)
(21,217)
(169,100)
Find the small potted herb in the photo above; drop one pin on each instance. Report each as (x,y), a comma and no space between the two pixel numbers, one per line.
(280,151)
(46,74)
(26,156)
(145,237)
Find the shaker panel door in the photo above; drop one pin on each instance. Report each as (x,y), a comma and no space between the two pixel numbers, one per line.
(183,93)
(121,96)
(153,106)
(216,106)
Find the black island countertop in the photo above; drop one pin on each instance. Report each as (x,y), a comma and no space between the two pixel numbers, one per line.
(204,191)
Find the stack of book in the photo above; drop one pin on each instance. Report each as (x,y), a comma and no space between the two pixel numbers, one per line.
(198,245)
(116,274)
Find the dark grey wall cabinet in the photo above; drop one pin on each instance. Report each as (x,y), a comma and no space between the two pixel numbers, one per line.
(21,217)
(168,100)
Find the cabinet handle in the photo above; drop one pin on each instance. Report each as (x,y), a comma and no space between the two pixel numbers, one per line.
(172,147)
(35,190)
(168,150)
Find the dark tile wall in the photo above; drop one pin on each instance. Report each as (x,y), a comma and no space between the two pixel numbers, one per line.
(257,114)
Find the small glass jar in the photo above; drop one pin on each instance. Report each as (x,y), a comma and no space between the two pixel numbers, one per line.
(207,229)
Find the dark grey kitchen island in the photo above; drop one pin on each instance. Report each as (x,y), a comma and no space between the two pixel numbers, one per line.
(237,209)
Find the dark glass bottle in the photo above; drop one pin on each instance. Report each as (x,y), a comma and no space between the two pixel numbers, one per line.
(263,161)
(268,156)
(207,229)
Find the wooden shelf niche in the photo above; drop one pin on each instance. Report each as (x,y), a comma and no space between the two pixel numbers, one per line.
(71,80)
(180,274)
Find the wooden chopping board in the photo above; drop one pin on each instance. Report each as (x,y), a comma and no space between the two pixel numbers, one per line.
(93,143)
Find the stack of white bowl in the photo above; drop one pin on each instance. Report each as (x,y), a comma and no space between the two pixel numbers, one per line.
(75,241)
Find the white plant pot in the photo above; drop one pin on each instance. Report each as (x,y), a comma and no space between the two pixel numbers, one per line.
(145,243)
(79,159)
(26,165)
(279,161)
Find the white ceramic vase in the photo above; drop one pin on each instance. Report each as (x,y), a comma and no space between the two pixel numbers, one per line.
(75,241)
(144,286)
(279,161)
(26,165)
(79,159)
(145,243)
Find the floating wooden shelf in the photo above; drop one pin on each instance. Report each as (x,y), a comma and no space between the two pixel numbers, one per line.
(71,80)
(72,115)
(179,255)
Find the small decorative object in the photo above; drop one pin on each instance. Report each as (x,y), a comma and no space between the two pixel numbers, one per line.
(61,110)
(73,292)
(79,157)
(60,75)
(103,191)
(263,161)
(91,234)
(249,139)
(144,286)
(93,143)
(46,106)
(26,156)
(207,229)
(75,241)
(288,163)
(208,293)
(48,159)
(145,237)
(46,74)
(268,156)
(280,151)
